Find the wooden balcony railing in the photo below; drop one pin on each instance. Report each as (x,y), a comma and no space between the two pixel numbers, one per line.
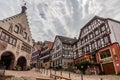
(57,77)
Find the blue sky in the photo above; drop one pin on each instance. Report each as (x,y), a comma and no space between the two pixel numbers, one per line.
(48,18)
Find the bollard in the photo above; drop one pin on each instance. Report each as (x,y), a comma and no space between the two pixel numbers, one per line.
(50,71)
(69,74)
(61,73)
(101,79)
(55,71)
(46,71)
(81,76)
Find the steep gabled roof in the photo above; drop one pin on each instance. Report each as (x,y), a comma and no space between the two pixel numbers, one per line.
(96,17)
(21,21)
(66,40)
(38,47)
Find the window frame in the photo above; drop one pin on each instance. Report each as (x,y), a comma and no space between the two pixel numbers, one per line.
(104,55)
(25,35)
(8,39)
(16,29)
(99,45)
(103,25)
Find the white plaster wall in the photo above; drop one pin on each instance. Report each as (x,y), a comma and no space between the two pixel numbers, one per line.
(115,31)
(56,43)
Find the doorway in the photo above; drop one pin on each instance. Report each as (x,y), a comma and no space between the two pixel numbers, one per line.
(8,60)
(22,62)
(108,68)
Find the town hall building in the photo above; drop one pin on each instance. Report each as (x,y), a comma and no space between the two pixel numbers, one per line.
(15,41)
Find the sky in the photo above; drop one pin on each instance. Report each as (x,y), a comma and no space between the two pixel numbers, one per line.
(48,18)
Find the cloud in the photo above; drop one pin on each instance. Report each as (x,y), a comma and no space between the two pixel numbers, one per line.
(60,17)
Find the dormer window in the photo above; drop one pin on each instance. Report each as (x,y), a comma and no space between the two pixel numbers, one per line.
(16,29)
(25,35)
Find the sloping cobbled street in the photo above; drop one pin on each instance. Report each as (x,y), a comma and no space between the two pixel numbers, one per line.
(33,74)
(27,75)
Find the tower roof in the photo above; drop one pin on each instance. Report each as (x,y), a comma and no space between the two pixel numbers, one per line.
(24,8)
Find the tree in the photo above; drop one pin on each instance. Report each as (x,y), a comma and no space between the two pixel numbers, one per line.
(82,66)
(39,42)
(33,41)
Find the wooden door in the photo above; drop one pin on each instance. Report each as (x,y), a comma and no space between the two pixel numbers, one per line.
(108,68)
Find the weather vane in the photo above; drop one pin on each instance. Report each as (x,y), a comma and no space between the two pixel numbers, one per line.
(24,3)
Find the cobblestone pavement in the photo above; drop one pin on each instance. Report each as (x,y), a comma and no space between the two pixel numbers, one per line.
(33,74)
(28,75)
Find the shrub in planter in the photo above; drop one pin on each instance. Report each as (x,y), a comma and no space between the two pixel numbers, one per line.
(118,73)
(102,73)
(82,66)
(28,68)
(18,67)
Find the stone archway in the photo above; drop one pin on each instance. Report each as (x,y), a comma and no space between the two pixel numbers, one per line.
(8,60)
(22,62)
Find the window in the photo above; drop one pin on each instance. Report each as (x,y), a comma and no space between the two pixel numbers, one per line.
(57,47)
(14,41)
(26,48)
(106,40)
(89,27)
(91,35)
(11,40)
(86,39)
(105,54)
(65,63)
(93,45)
(82,41)
(103,28)
(87,48)
(16,29)
(99,44)
(83,50)
(25,35)
(6,38)
(3,36)
(66,52)
(96,32)
(46,59)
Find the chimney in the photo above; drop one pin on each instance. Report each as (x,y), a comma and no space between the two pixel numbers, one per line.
(75,38)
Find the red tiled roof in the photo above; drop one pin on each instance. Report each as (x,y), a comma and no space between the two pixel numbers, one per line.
(49,44)
(38,46)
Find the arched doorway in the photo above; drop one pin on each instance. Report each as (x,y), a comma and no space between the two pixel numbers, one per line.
(8,60)
(22,62)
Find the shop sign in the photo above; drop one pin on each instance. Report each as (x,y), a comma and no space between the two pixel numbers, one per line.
(105,60)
